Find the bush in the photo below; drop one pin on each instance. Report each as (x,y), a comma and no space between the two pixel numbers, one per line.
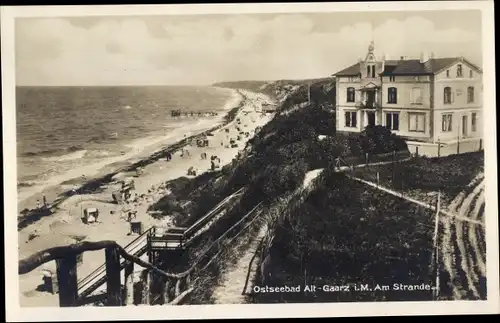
(380,140)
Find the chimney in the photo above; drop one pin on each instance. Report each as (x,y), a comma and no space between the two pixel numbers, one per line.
(402,58)
(423,57)
(431,56)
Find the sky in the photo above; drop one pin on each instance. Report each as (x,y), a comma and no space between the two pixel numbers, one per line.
(203,49)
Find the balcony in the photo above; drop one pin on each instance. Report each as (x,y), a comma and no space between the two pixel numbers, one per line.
(367,105)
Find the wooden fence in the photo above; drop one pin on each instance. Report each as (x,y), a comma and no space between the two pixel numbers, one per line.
(173,287)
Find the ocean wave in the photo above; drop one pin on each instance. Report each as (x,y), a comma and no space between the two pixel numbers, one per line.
(55,151)
(99,161)
(99,153)
(26,183)
(71,156)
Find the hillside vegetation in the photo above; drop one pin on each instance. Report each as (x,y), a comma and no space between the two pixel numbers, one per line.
(300,138)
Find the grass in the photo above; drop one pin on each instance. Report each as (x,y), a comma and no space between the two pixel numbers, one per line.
(421,176)
(345,233)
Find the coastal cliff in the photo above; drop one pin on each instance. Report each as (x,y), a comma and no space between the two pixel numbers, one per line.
(272,168)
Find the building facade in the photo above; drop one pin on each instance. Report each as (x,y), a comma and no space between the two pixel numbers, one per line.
(426,100)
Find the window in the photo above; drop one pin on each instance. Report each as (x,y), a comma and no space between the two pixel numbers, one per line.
(416,122)
(368,71)
(474,121)
(446,122)
(392,79)
(416,95)
(373,71)
(350,119)
(447,73)
(447,95)
(392,95)
(350,94)
(392,120)
(459,70)
(471,74)
(470,94)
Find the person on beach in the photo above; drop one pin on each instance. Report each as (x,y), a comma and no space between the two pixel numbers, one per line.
(38,205)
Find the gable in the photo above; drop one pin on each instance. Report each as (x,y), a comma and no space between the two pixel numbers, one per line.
(466,68)
(370,85)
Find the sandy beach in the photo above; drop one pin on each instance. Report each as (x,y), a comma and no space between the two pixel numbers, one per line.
(64,226)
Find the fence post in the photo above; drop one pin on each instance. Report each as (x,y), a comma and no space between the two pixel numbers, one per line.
(378,179)
(480,144)
(114,293)
(393,165)
(166,291)
(366,158)
(129,284)
(178,287)
(439,147)
(435,253)
(67,281)
(416,151)
(145,286)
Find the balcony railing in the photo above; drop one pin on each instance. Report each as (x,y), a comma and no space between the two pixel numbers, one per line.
(367,105)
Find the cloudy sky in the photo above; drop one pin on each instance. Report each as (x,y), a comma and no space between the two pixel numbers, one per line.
(202,49)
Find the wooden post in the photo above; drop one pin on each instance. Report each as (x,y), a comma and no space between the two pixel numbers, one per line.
(114,292)
(366,158)
(439,147)
(378,179)
(67,281)
(416,151)
(129,284)
(480,144)
(146,279)
(166,291)
(178,287)
(435,259)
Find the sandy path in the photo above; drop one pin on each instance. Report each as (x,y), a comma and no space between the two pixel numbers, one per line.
(461,206)
(65,223)
(234,286)
(473,237)
(466,261)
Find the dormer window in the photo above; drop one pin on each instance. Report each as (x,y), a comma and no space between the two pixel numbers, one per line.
(447,73)
(373,71)
(471,74)
(368,71)
(459,70)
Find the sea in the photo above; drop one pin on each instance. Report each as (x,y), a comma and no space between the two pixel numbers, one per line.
(65,133)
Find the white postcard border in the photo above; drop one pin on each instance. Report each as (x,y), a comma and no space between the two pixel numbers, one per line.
(16,313)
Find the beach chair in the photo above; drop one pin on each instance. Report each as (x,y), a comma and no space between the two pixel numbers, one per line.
(90,215)
(117,197)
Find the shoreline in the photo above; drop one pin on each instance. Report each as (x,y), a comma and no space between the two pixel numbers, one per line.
(64,226)
(59,194)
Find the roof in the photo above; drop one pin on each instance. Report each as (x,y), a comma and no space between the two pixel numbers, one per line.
(352,70)
(408,67)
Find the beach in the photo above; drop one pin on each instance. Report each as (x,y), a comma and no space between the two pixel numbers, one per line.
(64,226)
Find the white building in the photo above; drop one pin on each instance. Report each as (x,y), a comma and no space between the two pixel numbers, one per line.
(426,100)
